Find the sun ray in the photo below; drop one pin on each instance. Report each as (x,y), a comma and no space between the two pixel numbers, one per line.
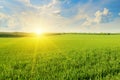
(44,41)
(34,56)
(48,41)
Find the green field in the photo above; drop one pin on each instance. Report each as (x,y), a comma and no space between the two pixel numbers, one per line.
(60,57)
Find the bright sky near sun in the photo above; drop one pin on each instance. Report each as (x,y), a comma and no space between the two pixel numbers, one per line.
(60,15)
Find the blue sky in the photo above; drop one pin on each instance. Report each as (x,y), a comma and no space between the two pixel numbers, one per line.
(60,15)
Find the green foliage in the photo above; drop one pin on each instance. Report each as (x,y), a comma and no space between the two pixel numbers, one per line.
(60,57)
(24,34)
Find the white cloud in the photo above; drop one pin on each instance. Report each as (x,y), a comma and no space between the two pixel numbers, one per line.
(105,11)
(50,8)
(99,17)
(57,12)
(49,17)
(12,22)
(102,16)
(46,16)
(52,3)
(8,21)
(27,2)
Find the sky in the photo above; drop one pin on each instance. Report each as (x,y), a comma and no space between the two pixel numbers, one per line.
(60,15)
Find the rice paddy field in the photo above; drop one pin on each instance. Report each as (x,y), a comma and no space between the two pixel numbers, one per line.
(60,57)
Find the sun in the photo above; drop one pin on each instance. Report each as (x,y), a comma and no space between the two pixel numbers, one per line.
(38,31)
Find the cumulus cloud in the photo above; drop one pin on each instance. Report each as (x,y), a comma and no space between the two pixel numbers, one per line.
(105,11)
(104,16)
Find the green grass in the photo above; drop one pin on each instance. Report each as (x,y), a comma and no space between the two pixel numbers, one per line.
(60,57)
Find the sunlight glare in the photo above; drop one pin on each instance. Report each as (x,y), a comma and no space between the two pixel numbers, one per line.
(38,32)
